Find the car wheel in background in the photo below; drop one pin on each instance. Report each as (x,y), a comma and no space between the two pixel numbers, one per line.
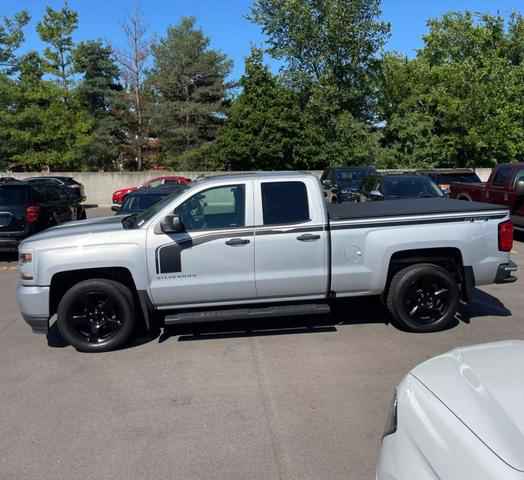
(96,315)
(423,298)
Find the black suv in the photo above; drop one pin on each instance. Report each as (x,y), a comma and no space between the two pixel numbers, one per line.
(341,184)
(74,188)
(27,208)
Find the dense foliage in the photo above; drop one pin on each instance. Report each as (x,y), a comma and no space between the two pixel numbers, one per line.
(338,99)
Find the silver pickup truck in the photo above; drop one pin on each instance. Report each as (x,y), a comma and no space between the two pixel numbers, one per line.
(258,245)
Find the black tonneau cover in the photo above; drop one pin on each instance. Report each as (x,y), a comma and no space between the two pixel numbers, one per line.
(398,208)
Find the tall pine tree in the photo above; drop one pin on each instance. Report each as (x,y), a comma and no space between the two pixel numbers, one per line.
(189,83)
(264,124)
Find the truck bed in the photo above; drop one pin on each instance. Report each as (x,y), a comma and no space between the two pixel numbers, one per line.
(410,207)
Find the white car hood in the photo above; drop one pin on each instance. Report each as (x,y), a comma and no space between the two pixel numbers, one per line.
(484,387)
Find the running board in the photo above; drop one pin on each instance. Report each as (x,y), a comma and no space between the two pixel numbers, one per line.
(248,313)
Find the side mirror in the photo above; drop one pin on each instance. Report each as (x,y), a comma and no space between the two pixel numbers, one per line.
(519,187)
(376,195)
(171,224)
(116,208)
(326,183)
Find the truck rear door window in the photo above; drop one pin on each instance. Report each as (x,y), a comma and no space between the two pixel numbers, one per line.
(284,202)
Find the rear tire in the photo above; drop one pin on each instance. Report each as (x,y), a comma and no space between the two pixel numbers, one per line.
(96,315)
(423,298)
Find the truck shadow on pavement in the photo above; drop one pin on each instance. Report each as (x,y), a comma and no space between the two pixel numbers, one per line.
(483,305)
(357,311)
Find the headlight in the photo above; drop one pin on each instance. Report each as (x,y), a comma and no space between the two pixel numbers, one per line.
(25,258)
(391,422)
(25,265)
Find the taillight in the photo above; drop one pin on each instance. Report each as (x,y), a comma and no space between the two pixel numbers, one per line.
(32,214)
(506,236)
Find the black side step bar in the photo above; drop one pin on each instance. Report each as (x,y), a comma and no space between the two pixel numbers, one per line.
(242,313)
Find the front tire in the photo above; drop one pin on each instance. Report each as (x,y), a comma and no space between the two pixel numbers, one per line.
(96,315)
(423,298)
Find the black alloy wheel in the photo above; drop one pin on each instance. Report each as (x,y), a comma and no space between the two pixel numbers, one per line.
(96,315)
(423,298)
(427,299)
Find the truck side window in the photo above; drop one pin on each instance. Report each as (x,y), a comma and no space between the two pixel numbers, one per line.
(284,202)
(219,207)
(502,176)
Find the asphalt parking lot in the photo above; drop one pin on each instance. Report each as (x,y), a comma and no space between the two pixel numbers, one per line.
(273,399)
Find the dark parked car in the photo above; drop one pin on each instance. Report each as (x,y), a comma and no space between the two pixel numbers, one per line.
(76,189)
(444,178)
(342,184)
(7,180)
(393,187)
(141,200)
(27,208)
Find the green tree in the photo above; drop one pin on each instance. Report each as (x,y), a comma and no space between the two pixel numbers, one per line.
(264,124)
(38,128)
(332,42)
(99,92)
(11,37)
(56,29)
(330,50)
(188,79)
(460,103)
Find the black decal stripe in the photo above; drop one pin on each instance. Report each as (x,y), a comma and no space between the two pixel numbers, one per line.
(350,226)
(169,256)
(283,230)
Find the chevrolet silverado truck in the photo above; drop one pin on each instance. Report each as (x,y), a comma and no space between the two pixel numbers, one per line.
(259,245)
(505,186)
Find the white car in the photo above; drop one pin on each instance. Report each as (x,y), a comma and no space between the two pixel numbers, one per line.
(459,416)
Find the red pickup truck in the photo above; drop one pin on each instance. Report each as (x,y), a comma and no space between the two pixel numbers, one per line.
(505,186)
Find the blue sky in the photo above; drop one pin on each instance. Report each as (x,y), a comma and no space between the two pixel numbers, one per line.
(223,20)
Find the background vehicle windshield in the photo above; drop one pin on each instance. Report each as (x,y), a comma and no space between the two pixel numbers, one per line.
(155,208)
(139,203)
(410,187)
(351,178)
(447,178)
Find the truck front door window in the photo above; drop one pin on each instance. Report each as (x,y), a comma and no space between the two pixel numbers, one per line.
(220,207)
(284,202)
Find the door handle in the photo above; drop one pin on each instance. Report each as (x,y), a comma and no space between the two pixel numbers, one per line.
(236,242)
(307,237)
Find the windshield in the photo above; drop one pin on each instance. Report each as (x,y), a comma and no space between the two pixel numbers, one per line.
(141,218)
(447,178)
(410,187)
(139,203)
(352,178)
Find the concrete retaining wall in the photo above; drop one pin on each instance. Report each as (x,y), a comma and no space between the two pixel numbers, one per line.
(100,185)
